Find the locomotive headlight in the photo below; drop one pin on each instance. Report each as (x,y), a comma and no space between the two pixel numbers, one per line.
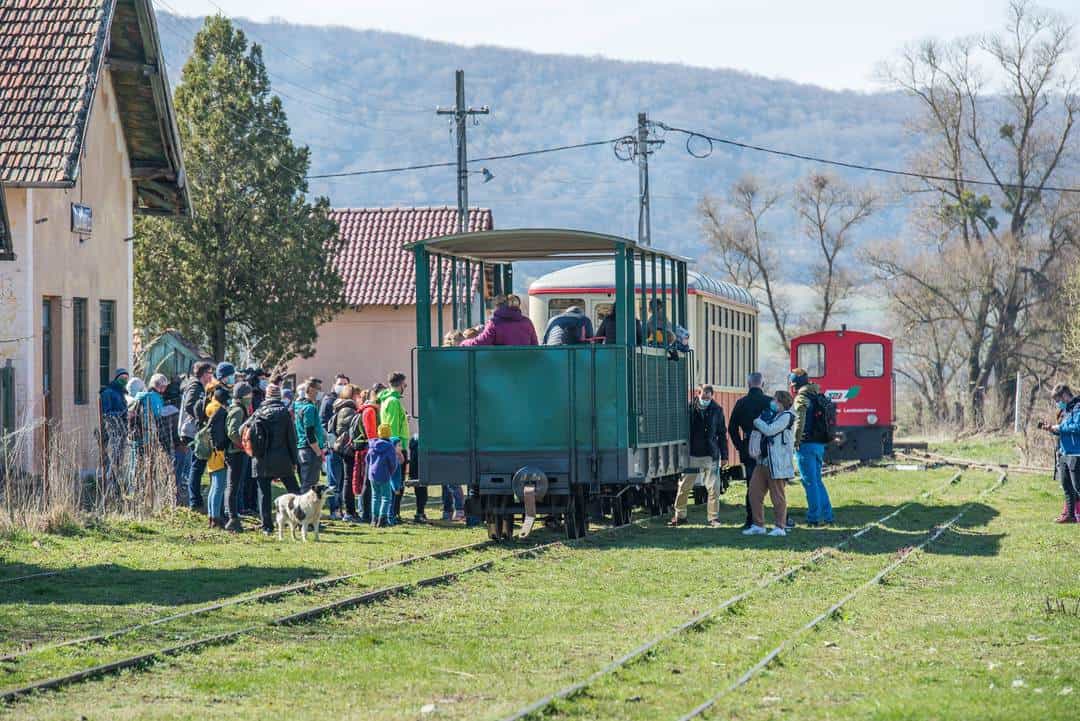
(871,418)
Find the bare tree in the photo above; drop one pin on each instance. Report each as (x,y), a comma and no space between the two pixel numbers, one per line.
(828,211)
(744,250)
(996,247)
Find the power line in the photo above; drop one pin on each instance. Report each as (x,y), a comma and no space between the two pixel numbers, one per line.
(489,158)
(691,134)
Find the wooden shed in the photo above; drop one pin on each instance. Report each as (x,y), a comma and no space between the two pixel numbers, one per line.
(171,354)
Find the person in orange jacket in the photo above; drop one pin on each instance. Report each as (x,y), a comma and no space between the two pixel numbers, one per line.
(369,420)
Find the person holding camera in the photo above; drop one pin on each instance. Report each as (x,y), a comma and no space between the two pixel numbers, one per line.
(1067,429)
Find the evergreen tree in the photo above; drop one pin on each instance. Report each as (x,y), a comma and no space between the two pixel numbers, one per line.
(250,274)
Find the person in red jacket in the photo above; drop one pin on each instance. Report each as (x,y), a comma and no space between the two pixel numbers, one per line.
(369,419)
(508,326)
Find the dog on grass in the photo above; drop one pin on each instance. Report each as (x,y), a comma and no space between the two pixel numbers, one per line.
(303,510)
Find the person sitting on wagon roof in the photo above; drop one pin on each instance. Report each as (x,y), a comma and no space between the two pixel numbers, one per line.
(570,327)
(507,326)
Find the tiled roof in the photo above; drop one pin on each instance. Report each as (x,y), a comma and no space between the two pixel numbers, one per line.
(49,59)
(375,267)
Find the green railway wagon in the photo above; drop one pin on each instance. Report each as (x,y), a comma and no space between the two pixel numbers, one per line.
(551,430)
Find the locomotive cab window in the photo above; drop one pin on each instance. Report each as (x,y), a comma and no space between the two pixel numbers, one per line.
(869,360)
(558,305)
(811,357)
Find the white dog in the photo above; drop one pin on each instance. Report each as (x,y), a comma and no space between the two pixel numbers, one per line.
(301,510)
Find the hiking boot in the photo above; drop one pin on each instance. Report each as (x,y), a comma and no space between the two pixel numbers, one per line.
(778,532)
(1068,515)
(754,530)
(234,525)
(268,532)
(459,516)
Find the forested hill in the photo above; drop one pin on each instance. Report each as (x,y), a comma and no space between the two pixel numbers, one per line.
(365,99)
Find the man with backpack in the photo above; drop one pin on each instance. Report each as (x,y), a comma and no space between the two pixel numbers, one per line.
(192,392)
(341,428)
(815,422)
(238,413)
(269,437)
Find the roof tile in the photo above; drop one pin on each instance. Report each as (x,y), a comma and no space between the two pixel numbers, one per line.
(372,261)
(46,69)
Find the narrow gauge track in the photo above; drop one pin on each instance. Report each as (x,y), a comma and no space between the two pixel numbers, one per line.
(268,595)
(143,660)
(769,657)
(538,706)
(965,463)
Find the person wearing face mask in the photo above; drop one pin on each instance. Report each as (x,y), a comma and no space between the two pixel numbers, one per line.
(708,449)
(776,468)
(1068,466)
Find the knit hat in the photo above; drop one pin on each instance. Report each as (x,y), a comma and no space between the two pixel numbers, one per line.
(120,372)
(241,390)
(384,431)
(273,392)
(224,370)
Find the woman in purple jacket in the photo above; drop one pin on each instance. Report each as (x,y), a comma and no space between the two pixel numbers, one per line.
(507,326)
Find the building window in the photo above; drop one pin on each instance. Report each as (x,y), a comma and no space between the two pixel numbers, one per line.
(106,341)
(869,360)
(811,358)
(81,359)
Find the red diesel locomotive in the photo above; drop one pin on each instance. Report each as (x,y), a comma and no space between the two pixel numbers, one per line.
(855,370)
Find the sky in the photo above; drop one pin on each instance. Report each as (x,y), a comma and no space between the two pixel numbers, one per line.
(832,43)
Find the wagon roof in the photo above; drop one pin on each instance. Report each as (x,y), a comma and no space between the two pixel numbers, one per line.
(534,244)
(600,276)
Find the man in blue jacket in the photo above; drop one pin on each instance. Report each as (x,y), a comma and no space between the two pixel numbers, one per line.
(113,422)
(1068,432)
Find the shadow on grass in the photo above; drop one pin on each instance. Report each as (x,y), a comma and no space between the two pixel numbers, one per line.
(114,585)
(907,528)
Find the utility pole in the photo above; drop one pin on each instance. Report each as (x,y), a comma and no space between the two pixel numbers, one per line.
(461,115)
(641,154)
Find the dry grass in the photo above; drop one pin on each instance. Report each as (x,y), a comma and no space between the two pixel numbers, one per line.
(44,489)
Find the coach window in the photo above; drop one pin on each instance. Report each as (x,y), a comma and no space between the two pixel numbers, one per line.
(869,360)
(558,305)
(601,311)
(811,358)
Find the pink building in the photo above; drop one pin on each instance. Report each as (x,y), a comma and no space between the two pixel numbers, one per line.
(377,333)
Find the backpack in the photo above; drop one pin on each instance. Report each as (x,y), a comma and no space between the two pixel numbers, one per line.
(254,436)
(203,445)
(343,442)
(820,419)
(758,445)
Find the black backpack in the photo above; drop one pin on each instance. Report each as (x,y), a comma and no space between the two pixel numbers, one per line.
(343,441)
(820,419)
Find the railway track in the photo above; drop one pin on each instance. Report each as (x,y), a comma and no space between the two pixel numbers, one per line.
(965,463)
(537,707)
(762,663)
(145,659)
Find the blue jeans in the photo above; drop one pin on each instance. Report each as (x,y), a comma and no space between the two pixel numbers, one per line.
(382,501)
(335,480)
(215,499)
(182,467)
(194,482)
(811,456)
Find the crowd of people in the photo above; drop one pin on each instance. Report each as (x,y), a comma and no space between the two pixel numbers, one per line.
(244,430)
(772,435)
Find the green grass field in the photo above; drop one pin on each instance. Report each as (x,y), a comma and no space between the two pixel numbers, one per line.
(961,630)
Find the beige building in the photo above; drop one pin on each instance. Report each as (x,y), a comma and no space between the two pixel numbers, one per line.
(87,139)
(376,334)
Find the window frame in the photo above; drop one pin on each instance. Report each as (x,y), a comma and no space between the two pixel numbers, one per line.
(570,303)
(858,365)
(106,341)
(80,351)
(805,366)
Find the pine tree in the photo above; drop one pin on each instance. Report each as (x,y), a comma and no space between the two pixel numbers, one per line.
(251,272)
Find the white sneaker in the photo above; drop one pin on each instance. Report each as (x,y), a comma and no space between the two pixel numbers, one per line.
(754,531)
(778,532)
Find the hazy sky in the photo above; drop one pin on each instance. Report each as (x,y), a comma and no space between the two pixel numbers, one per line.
(834,43)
